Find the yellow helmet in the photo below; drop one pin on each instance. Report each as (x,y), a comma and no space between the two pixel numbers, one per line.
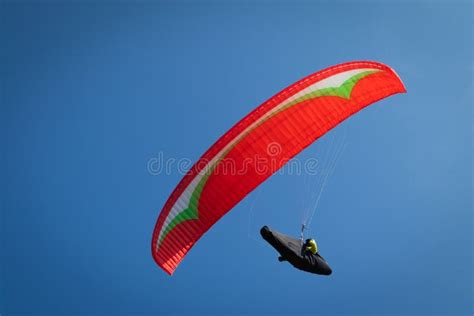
(311,245)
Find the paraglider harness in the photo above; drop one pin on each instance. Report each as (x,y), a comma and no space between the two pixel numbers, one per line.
(293,250)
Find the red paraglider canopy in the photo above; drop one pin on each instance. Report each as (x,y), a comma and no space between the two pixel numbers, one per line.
(274,132)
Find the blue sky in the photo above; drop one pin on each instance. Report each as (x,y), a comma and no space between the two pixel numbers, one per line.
(91,91)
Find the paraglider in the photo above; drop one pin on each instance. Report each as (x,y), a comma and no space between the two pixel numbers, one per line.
(275,132)
(303,256)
